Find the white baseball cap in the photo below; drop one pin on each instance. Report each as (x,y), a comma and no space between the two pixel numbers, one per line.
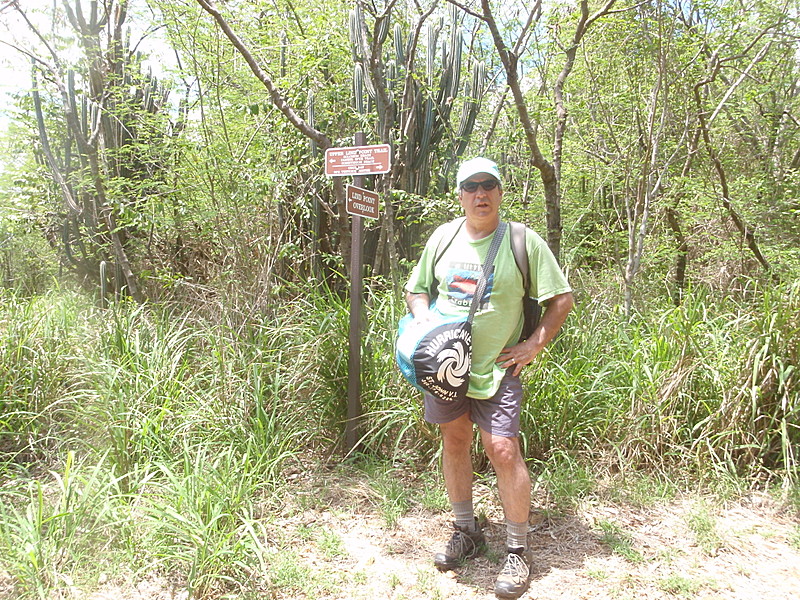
(474,166)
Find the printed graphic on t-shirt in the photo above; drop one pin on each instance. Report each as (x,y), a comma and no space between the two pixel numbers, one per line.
(462,283)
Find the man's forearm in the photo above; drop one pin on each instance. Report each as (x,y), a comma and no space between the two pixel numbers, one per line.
(417,303)
(555,313)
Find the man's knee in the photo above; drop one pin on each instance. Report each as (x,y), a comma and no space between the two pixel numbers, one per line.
(457,435)
(503,452)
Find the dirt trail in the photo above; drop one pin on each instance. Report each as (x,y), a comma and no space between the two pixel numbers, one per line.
(334,544)
(742,551)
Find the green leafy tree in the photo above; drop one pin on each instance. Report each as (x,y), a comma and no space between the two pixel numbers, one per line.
(668,127)
(511,41)
(408,92)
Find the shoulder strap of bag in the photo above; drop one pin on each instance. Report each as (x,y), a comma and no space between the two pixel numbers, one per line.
(457,224)
(520,251)
(488,263)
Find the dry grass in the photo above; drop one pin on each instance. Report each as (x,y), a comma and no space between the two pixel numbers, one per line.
(342,549)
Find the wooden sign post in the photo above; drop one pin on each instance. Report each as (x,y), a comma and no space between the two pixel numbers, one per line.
(356,161)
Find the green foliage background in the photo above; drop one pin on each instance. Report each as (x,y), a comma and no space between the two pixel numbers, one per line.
(162,435)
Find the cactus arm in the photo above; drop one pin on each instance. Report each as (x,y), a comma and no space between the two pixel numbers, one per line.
(382,27)
(469,112)
(427,131)
(103,282)
(399,50)
(410,85)
(354,32)
(55,169)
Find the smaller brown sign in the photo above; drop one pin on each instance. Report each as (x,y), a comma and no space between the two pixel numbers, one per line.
(363,203)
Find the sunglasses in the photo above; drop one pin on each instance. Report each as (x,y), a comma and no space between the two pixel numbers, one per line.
(472,186)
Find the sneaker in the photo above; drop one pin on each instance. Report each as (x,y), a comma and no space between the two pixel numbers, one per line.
(513,579)
(463,544)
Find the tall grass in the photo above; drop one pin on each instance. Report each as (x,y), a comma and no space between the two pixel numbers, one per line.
(53,527)
(712,384)
(40,346)
(758,422)
(185,427)
(158,439)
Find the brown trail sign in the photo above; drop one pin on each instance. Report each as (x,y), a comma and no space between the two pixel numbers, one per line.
(357,160)
(361,202)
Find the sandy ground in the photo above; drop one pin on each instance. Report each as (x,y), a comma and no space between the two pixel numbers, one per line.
(653,553)
(339,544)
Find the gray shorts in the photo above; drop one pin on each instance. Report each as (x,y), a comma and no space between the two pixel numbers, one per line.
(498,415)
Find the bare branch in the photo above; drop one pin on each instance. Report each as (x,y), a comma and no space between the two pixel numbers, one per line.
(533,16)
(606,10)
(42,39)
(742,77)
(275,95)
(467,10)
(33,58)
(509,60)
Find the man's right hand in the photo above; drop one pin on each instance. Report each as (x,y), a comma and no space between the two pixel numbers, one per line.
(419,306)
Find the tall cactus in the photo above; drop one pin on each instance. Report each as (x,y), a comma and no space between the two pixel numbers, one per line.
(107,140)
(420,115)
(410,102)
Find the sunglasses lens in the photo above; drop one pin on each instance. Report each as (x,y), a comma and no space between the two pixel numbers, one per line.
(471,186)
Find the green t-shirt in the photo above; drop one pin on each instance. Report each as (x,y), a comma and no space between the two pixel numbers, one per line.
(499,318)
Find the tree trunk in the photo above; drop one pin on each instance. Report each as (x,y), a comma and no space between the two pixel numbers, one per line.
(550,172)
(747,232)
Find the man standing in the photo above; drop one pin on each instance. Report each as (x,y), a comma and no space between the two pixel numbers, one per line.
(452,264)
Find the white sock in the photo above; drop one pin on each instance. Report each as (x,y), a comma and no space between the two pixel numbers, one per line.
(465,515)
(517,534)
